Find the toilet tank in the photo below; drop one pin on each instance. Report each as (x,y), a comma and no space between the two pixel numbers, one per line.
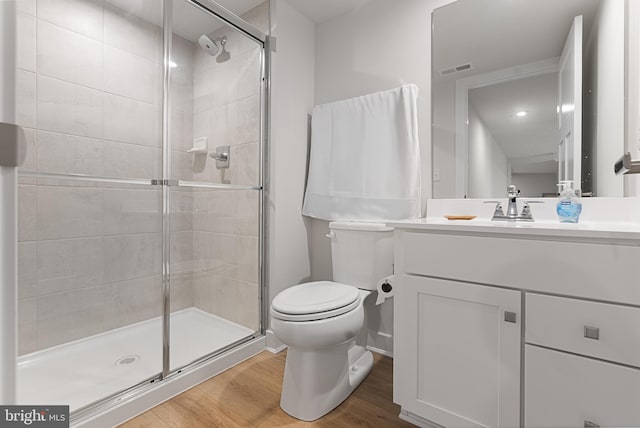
(361,253)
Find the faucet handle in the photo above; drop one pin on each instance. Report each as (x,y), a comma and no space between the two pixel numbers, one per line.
(498,210)
(527,203)
(526,208)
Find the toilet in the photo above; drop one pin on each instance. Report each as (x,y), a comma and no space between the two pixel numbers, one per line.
(320,321)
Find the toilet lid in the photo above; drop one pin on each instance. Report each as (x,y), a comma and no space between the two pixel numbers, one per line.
(315,298)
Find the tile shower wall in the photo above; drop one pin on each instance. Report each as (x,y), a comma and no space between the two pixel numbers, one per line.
(226,109)
(181,200)
(89,97)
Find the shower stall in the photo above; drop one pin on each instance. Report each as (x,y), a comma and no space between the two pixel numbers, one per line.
(140,229)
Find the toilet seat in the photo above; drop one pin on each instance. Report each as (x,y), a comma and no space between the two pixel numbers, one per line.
(315,301)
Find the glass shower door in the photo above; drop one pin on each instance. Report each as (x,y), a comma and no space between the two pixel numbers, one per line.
(140,199)
(215,192)
(89,96)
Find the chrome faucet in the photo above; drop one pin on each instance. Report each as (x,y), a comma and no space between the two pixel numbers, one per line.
(512,194)
(512,208)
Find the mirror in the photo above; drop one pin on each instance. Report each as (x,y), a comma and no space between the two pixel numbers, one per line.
(527,92)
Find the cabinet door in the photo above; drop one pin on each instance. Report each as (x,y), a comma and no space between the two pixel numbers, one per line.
(563,390)
(459,352)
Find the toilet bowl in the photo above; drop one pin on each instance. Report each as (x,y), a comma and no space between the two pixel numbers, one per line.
(319,321)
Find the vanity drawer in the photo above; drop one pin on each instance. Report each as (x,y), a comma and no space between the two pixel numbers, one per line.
(563,390)
(581,269)
(600,330)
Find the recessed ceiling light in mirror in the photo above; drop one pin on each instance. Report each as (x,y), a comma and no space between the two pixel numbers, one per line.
(567,108)
(521,113)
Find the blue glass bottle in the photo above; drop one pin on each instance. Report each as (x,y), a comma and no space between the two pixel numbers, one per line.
(569,206)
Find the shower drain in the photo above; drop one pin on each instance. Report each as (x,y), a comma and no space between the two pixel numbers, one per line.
(126,360)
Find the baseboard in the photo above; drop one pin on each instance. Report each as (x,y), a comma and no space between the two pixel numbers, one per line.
(166,389)
(417,420)
(379,342)
(380,351)
(274,345)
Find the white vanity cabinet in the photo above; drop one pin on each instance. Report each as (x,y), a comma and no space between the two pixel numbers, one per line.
(460,352)
(507,328)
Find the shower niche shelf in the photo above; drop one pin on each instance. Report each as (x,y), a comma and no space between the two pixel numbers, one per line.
(199,146)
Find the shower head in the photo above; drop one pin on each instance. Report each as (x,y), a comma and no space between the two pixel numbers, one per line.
(212,47)
(224,55)
(209,45)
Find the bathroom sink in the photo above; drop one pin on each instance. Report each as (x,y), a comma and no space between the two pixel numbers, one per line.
(612,219)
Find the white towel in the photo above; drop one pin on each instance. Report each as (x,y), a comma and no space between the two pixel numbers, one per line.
(365,158)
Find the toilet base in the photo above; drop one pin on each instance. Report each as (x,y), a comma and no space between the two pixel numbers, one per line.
(316,382)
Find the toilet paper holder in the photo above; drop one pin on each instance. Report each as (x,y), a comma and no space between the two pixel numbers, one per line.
(385,289)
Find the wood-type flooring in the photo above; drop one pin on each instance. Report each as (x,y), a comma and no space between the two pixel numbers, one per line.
(248,395)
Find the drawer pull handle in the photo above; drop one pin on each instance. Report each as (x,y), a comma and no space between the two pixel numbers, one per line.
(589,424)
(510,316)
(591,332)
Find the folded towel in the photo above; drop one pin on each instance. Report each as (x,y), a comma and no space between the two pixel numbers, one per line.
(365,158)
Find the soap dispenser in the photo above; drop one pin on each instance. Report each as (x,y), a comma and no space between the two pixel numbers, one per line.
(569,206)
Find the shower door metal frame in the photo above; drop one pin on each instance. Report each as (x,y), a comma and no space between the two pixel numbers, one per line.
(8,207)
(214,9)
(166,182)
(108,402)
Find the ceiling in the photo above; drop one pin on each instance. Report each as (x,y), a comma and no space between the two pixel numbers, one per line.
(320,11)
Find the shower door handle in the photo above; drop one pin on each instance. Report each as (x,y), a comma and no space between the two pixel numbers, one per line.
(13,145)
(12,155)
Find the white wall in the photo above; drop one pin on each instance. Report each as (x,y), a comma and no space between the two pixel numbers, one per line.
(534,185)
(362,52)
(485,155)
(605,61)
(292,94)
(444,136)
(632,81)
(366,51)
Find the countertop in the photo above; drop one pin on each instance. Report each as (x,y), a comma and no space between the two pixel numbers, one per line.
(626,233)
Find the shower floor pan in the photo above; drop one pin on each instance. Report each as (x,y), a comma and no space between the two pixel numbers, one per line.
(84,371)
